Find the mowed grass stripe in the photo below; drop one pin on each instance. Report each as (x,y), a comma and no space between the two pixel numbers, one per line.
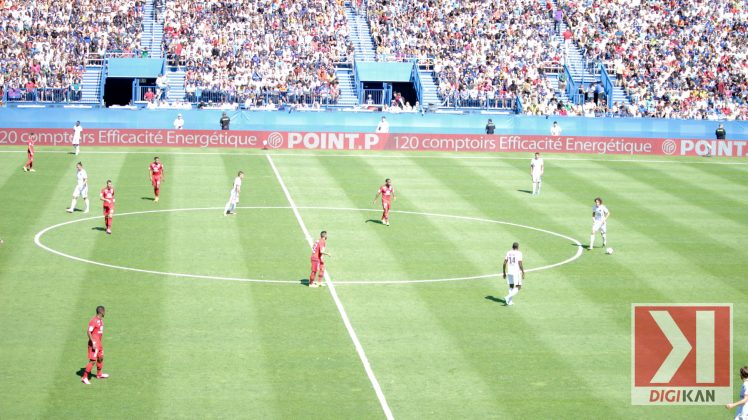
(682,238)
(718,199)
(549,212)
(195,354)
(441,345)
(431,186)
(24,273)
(10,170)
(93,287)
(252,360)
(505,199)
(344,382)
(457,182)
(492,198)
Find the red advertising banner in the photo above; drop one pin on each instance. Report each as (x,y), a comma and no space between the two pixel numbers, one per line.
(370,141)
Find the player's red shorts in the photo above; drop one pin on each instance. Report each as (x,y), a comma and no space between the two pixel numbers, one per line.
(318,266)
(156,181)
(92,356)
(108,211)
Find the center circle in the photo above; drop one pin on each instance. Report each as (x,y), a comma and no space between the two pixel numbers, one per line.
(38,241)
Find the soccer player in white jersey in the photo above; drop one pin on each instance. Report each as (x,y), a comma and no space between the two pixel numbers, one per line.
(536,171)
(81,188)
(741,405)
(600,215)
(77,134)
(234,196)
(514,272)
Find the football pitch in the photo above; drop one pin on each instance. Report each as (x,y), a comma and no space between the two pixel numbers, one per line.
(209,316)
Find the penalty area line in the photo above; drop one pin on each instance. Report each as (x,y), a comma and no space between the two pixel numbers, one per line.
(336,299)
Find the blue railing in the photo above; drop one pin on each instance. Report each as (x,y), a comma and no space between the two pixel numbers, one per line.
(375,95)
(571,85)
(357,88)
(251,99)
(607,85)
(102,80)
(460,100)
(41,95)
(416,80)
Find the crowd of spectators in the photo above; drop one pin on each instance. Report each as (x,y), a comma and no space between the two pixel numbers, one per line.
(484,53)
(674,58)
(258,51)
(44,44)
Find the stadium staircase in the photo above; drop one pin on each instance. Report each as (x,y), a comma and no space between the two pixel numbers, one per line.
(347,85)
(360,34)
(429,89)
(176,84)
(560,94)
(153,31)
(91,85)
(579,66)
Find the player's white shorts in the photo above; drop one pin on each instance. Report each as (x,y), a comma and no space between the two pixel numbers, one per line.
(80,191)
(515,279)
(76,141)
(599,225)
(536,177)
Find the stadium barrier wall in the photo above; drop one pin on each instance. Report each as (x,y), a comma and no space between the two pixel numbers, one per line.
(318,140)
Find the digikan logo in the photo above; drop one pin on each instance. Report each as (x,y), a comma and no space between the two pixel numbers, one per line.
(681,354)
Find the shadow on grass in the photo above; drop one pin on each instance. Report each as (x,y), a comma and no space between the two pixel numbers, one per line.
(495,299)
(525,191)
(379,222)
(148,198)
(99,228)
(80,372)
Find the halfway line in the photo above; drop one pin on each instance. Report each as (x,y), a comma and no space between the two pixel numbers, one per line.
(338,303)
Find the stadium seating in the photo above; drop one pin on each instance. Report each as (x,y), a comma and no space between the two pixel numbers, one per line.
(675,59)
(679,59)
(46,44)
(484,53)
(258,52)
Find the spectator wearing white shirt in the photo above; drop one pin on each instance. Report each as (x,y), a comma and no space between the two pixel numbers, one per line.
(555,129)
(383,126)
(179,122)
(77,134)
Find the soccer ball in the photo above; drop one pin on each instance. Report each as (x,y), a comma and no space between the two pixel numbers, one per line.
(609,251)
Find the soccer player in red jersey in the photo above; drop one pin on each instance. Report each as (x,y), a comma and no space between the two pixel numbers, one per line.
(387,191)
(318,264)
(156,171)
(95,346)
(29,166)
(107,196)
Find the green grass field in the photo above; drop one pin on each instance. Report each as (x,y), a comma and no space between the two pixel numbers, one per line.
(215,346)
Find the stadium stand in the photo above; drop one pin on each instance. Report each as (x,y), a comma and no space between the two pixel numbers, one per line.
(484,53)
(46,44)
(675,59)
(260,53)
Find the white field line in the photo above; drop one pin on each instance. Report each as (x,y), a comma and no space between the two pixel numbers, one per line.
(39,243)
(338,303)
(441,155)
